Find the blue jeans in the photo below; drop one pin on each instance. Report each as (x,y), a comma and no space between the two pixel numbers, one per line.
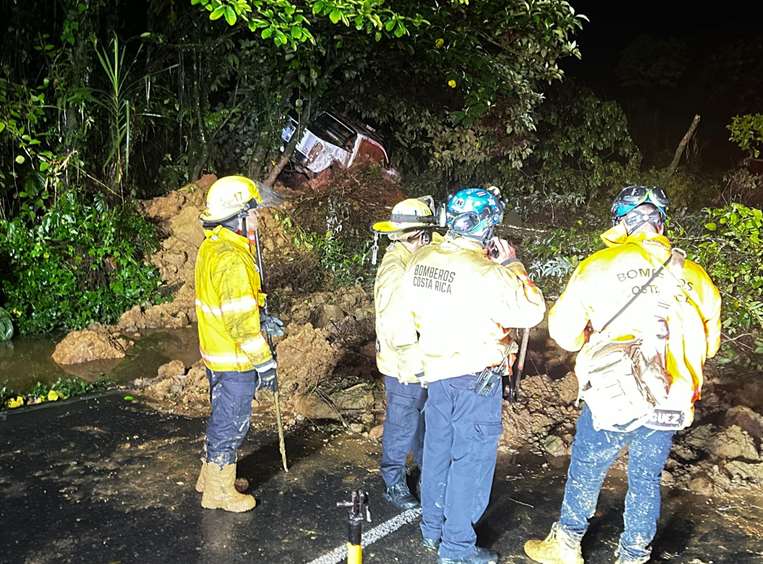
(230,394)
(460,447)
(403,428)
(593,452)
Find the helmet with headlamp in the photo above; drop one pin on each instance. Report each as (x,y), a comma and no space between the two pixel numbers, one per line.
(631,197)
(474,212)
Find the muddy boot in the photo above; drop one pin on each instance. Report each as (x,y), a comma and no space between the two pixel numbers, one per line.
(400,496)
(219,490)
(202,479)
(558,548)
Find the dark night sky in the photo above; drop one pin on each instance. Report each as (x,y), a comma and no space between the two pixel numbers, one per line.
(708,31)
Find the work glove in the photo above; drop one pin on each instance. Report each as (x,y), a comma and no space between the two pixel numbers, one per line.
(271,325)
(268,379)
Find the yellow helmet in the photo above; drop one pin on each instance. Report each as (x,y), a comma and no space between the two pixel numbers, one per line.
(405,216)
(229,196)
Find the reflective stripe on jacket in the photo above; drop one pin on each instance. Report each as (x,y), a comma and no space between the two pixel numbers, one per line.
(228,298)
(403,364)
(603,283)
(462,305)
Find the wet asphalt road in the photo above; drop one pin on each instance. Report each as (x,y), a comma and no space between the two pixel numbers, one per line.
(105,480)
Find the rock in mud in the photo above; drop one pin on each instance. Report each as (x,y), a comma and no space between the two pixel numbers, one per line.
(746,471)
(376,433)
(305,357)
(747,419)
(555,446)
(733,443)
(545,407)
(171,369)
(315,409)
(185,392)
(163,208)
(568,389)
(90,344)
(699,437)
(357,398)
(701,484)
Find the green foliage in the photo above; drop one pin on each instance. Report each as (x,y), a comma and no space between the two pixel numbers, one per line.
(290,24)
(731,250)
(117,107)
(81,261)
(63,388)
(346,263)
(554,254)
(483,67)
(747,133)
(727,243)
(343,260)
(30,179)
(581,148)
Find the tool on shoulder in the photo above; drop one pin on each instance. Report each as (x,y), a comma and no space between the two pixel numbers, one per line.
(359,512)
(512,389)
(269,337)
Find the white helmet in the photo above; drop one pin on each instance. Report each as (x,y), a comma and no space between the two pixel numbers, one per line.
(230,196)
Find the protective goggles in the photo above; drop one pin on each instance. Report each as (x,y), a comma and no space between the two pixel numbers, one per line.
(634,196)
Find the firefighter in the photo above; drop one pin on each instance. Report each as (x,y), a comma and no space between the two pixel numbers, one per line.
(409,228)
(236,355)
(679,307)
(463,296)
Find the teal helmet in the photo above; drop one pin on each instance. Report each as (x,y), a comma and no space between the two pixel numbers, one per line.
(474,212)
(632,197)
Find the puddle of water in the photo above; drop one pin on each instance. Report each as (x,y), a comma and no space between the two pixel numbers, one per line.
(26,360)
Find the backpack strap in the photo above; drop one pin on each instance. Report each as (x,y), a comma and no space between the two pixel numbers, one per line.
(633,298)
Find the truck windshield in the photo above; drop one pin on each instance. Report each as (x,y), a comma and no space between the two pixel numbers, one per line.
(329,129)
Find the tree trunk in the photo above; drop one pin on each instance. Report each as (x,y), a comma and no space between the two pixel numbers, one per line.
(284,160)
(682,146)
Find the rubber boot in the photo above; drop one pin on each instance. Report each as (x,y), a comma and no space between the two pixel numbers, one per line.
(220,492)
(400,496)
(557,548)
(479,556)
(202,479)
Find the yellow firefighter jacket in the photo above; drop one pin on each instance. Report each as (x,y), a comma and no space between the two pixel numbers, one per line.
(228,298)
(391,312)
(462,305)
(604,282)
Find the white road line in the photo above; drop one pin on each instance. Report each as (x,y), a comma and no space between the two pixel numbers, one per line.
(370,537)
